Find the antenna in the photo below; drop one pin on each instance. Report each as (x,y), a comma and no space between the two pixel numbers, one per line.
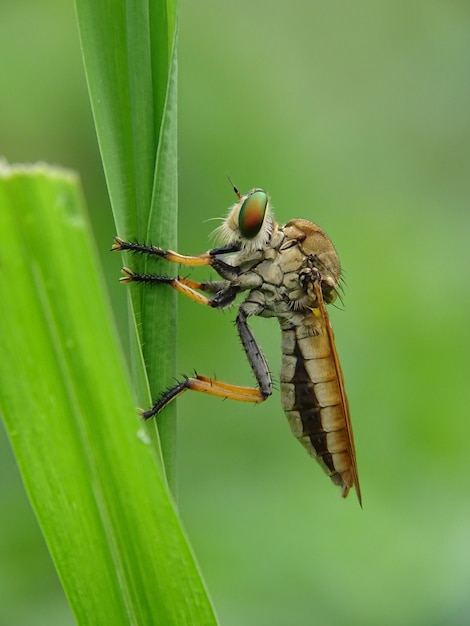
(234,188)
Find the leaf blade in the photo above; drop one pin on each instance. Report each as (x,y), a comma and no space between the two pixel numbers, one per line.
(133,94)
(93,479)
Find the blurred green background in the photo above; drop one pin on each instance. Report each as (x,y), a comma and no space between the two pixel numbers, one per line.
(356,116)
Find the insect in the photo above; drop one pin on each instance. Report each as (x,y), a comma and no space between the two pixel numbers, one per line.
(291,273)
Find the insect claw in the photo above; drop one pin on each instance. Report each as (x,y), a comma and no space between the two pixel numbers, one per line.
(117,245)
(129,275)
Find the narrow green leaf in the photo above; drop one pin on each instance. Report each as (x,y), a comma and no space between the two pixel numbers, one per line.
(129,50)
(94,481)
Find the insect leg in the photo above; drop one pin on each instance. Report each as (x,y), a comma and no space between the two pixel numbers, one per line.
(206,258)
(206,385)
(224,293)
(253,352)
(225,390)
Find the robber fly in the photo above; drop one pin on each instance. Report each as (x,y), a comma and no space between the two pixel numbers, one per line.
(289,272)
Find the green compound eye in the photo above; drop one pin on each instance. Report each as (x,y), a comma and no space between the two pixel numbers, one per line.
(251,216)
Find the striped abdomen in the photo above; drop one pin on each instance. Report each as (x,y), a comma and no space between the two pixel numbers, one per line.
(313,398)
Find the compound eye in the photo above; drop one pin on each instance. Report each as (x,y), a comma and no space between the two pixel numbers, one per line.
(252,212)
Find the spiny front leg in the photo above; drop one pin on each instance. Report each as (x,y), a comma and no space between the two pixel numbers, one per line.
(224,293)
(206,258)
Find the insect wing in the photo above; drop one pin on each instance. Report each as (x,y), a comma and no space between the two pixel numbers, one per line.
(344,398)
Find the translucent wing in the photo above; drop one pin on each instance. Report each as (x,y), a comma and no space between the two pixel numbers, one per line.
(344,397)
(314,398)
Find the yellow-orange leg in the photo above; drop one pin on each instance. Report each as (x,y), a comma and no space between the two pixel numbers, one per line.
(224,294)
(203,259)
(226,390)
(206,385)
(206,258)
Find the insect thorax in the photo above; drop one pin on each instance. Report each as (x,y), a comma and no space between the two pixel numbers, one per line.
(282,273)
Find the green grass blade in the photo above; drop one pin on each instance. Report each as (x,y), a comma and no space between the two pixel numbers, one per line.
(129,50)
(95,484)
